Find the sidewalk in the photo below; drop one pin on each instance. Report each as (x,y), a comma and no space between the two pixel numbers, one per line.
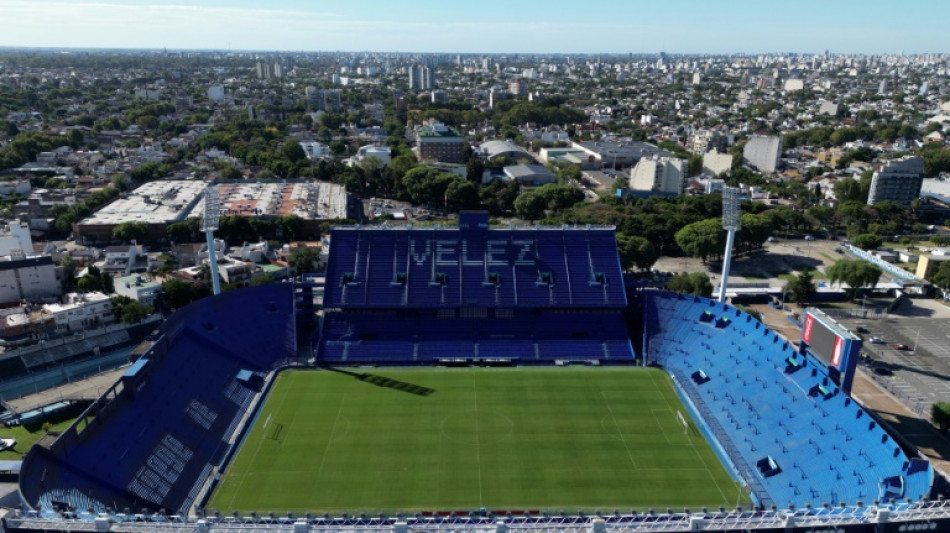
(89,389)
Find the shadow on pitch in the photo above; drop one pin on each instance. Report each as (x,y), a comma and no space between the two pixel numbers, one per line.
(382,381)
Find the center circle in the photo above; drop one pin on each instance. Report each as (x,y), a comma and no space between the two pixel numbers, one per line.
(477,427)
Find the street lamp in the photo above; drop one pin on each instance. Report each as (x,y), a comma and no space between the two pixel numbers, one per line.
(916,340)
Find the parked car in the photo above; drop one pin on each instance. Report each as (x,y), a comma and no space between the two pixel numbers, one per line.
(877,340)
(901,347)
(883,371)
(809,237)
(862,329)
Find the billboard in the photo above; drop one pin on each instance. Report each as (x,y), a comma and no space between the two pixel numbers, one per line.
(833,345)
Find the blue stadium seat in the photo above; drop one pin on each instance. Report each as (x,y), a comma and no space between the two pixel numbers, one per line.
(152,445)
(828,449)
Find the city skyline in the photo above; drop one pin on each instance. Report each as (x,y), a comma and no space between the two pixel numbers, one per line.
(605,26)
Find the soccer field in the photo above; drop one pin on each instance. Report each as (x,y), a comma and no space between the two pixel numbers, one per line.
(385,440)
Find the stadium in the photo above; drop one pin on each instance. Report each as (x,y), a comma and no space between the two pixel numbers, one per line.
(478,378)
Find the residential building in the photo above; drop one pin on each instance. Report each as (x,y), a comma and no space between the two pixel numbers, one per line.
(125,259)
(437,142)
(28,278)
(80,311)
(662,175)
(898,181)
(139,288)
(15,236)
(315,150)
(762,152)
(715,163)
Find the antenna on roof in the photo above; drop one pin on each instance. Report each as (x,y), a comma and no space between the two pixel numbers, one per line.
(209,223)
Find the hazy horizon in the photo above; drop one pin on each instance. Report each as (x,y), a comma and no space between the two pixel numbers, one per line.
(491,26)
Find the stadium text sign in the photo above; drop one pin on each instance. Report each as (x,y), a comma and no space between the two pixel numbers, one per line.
(451,253)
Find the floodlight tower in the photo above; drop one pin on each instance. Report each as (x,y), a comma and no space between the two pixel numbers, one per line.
(209,223)
(731,197)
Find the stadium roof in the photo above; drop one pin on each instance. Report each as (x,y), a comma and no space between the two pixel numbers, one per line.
(535,267)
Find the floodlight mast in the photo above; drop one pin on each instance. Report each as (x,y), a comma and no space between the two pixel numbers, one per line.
(209,223)
(731,196)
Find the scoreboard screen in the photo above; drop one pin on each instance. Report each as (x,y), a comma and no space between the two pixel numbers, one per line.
(833,345)
(822,341)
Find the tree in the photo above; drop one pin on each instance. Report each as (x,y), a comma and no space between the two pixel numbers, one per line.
(867,241)
(702,286)
(848,190)
(130,231)
(134,312)
(230,172)
(702,239)
(856,273)
(940,415)
(89,283)
(75,138)
(941,277)
(187,231)
(177,293)
(695,165)
(756,229)
(680,283)
(263,279)
(289,226)
(802,288)
(292,151)
(694,283)
(635,252)
(529,206)
(304,258)
(69,273)
(461,194)
(559,197)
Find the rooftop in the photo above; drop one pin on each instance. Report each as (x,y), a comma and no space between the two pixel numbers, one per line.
(436,129)
(307,200)
(156,202)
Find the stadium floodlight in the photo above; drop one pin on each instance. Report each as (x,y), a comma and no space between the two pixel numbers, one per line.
(209,223)
(731,221)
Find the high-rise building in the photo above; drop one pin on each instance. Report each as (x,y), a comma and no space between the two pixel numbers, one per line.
(265,71)
(663,175)
(421,77)
(898,181)
(763,152)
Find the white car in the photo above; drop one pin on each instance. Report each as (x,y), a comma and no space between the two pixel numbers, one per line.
(877,340)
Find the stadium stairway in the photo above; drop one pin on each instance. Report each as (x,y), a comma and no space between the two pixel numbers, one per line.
(764,401)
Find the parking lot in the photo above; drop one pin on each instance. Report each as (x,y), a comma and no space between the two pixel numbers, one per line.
(920,374)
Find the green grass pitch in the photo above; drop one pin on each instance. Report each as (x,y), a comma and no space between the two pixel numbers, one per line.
(386,440)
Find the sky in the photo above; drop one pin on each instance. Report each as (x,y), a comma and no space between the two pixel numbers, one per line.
(483,26)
